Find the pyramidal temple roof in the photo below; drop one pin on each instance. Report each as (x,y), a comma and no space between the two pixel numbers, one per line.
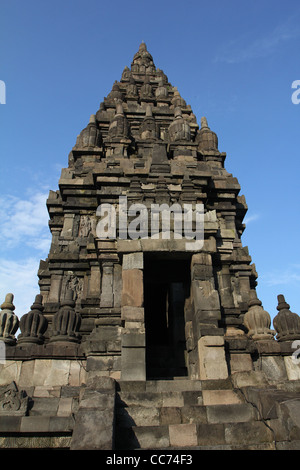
(145,106)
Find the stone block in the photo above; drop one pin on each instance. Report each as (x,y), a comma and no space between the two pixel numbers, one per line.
(47,391)
(133,363)
(44,406)
(247,433)
(234,413)
(51,372)
(170,415)
(192,397)
(240,362)
(35,424)
(10,424)
(133,261)
(274,368)
(205,296)
(65,406)
(292,369)
(107,296)
(212,362)
(183,435)
(101,383)
(210,433)
(97,399)
(201,272)
(134,338)
(128,246)
(220,397)
(138,416)
(26,373)
(193,414)
(60,424)
(10,372)
(135,398)
(249,379)
(133,292)
(93,430)
(133,314)
(173,399)
(152,437)
(117,285)
(76,374)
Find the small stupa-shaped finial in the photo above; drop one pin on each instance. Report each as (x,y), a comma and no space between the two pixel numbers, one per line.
(9,322)
(257,320)
(8,303)
(66,322)
(286,323)
(143,46)
(33,325)
(204,123)
(92,119)
(207,139)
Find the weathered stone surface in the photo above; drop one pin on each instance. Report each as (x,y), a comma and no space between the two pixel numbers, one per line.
(184,314)
(152,437)
(220,397)
(183,435)
(132,294)
(247,433)
(134,314)
(133,261)
(94,420)
(233,413)
(212,363)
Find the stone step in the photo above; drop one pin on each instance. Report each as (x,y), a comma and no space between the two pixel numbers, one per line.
(159,399)
(191,414)
(249,433)
(175,384)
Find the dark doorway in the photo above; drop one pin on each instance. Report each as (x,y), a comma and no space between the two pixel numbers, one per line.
(166,286)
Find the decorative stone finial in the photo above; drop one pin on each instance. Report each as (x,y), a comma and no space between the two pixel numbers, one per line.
(204,123)
(119,126)
(142,47)
(286,323)
(90,136)
(115,93)
(146,89)
(33,325)
(161,91)
(207,139)
(66,321)
(179,129)
(92,119)
(9,322)
(257,320)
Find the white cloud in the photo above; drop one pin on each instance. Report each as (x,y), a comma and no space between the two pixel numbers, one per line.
(289,276)
(24,239)
(19,278)
(24,222)
(251,218)
(245,48)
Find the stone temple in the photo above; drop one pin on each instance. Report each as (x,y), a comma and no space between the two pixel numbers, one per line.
(138,342)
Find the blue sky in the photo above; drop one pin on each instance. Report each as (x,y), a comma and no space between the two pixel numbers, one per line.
(233,62)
